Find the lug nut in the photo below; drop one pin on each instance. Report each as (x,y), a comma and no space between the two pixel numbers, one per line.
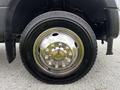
(68,59)
(67,47)
(70,54)
(62,49)
(57,48)
(53,49)
(46,57)
(52,45)
(60,44)
(47,50)
(63,64)
(65,51)
(50,63)
(56,65)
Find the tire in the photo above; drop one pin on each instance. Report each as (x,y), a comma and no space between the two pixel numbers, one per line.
(58,19)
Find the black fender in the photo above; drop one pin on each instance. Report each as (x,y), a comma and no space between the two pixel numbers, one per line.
(10,37)
(10,41)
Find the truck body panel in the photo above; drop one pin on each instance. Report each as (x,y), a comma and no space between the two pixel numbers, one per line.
(99,8)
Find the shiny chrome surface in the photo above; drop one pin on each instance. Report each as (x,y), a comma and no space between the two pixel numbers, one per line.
(58,51)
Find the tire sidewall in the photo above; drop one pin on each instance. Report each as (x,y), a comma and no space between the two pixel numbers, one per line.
(37,26)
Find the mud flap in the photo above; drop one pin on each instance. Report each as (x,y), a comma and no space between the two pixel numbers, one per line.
(10,48)
(113,28)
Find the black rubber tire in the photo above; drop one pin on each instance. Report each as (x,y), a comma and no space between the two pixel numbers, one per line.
(60,19)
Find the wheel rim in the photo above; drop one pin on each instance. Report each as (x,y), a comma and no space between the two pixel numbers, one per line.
(58,51)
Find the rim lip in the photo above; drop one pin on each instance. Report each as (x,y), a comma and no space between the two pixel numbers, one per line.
(67,32)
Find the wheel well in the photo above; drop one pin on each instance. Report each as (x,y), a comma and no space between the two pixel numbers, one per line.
(21,12)
(27,10)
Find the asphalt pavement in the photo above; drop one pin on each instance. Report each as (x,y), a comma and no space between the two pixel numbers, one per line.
(105,74)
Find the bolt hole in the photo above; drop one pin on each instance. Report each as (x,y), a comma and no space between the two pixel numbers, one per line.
(76,44)
(39,50)
(55,34)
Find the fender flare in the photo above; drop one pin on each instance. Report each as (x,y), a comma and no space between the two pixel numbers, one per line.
(9,37)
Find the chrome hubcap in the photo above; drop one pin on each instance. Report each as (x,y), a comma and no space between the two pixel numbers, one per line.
(58,51)
(58,55)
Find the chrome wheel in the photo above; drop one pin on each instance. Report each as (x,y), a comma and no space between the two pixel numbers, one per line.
(58,51)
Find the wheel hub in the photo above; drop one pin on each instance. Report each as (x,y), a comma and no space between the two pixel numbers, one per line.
(58,51)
